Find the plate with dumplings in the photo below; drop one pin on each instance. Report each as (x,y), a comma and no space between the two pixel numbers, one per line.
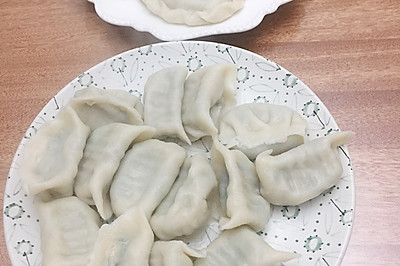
(171,20)
(181,153)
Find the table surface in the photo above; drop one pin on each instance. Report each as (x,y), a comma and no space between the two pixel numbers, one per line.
(347,52)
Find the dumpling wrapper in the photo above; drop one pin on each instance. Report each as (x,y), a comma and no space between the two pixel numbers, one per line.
(146,175)
(162,99)
(302,173)
(98,107)
(105,148)
(242,246)
(256,127)
(68,230)
(244,203)
(127,241)
(209,93)
(185,209)
(52,156)
(173,253)
(194,13)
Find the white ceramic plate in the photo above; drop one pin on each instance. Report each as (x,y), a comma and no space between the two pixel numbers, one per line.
(134,14)
(319,229)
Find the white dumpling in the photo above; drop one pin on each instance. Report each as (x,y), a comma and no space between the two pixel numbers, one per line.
(173,253)
(68,230)
(209,93)
(127,241)
(242,246)
(244,203)
(145,175)
(257,127)
(194,13)
(302,173)
(185,208)
(98,107)
(52,155)
(105,148)
(162,98)
(220,194)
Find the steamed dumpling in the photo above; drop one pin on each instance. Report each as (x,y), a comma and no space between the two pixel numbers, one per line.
(173,253)
(209,93)
(127,241)
(256,127)
(244,203)
(68,230)
(146,175)
(242,246)
(185,208)
(162,98)
(192,12)
(97,107)
(302,173)
(52,156)
(105,148)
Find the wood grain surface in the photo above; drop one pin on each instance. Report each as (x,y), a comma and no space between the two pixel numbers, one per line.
(347,52)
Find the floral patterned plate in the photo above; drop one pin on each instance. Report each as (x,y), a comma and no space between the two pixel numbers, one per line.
(134,14)
(319,229)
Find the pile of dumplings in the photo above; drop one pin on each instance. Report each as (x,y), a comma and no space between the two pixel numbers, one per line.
(115,184)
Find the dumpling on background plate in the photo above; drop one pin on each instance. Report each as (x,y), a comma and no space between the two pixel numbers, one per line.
(192,12)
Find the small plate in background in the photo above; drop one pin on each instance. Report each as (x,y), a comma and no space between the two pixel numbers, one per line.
(133,13)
